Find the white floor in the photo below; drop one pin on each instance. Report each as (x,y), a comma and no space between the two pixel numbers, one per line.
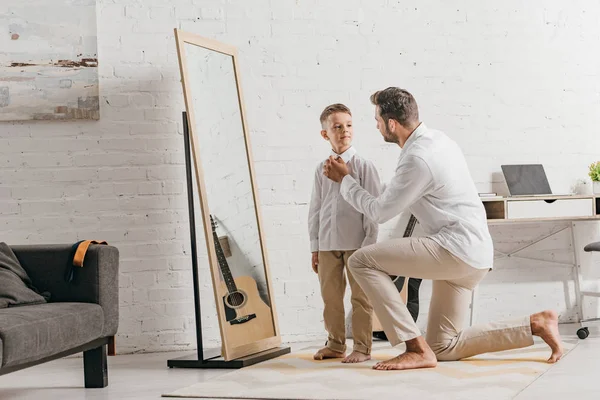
(146,376)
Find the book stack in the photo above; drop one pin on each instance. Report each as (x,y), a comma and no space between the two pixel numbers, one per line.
(487,196)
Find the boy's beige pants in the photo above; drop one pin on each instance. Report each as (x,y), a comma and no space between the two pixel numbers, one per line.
(453,282)
(333,287)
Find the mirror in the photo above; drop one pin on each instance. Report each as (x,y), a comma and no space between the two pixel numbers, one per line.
(224,174)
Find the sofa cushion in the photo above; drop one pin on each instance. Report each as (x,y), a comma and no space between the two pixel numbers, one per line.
(15,286)
(30,333)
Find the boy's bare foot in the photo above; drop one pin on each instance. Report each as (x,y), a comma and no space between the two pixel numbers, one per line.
(356,357)
(326,352)
(418,355)
(545,325)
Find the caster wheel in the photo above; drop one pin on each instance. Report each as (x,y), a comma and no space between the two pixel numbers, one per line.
(583,333)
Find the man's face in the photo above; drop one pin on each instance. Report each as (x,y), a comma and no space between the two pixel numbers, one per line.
(384,128)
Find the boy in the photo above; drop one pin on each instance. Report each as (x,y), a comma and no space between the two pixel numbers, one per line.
(336,230)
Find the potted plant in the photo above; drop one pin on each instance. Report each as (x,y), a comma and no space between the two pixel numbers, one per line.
(595,175)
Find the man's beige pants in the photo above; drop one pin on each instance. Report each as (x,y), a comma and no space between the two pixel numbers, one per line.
(333,287)
(453,282)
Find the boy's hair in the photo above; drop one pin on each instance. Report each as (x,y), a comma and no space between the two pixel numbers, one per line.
(397,104)
(332,109)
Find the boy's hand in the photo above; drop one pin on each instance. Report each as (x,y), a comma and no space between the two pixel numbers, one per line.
(335,169)
(315,262)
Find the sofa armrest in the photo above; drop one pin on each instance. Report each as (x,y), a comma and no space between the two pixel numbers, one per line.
(96,282)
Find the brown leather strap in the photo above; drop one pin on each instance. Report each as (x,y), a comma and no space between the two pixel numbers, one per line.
(82,249)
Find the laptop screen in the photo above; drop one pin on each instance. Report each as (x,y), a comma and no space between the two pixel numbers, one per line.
(526,179)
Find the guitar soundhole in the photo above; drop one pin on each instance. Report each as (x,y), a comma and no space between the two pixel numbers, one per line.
(236,299)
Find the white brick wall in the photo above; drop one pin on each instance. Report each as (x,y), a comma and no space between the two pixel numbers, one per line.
(511,83)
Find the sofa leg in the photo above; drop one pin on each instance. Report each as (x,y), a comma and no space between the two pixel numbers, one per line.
(112,346)
(95,367)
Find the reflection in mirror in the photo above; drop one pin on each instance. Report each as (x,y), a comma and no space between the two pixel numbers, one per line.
(221,150)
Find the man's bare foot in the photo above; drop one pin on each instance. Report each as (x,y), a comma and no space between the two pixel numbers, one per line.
(545,325)
(418,355)
(326,352)
(408,360)
(356,357)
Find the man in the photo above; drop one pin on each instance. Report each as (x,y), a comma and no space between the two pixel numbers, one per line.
(433,182)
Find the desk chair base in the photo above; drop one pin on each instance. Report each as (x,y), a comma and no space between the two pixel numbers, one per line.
(583,333)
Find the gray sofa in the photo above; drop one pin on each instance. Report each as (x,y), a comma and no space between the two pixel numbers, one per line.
(81,315)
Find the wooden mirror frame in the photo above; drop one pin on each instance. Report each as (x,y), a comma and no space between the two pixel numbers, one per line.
(228,351)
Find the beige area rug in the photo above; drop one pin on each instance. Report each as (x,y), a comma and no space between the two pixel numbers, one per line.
(297,376)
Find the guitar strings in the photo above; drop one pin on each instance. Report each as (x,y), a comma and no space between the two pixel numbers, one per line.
(236,298)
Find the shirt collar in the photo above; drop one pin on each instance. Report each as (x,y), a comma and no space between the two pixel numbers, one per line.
(346,156)
(421,129)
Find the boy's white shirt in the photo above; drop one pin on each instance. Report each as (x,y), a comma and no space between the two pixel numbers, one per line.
(333,223)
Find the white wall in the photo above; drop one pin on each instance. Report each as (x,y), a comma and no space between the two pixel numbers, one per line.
(516,82)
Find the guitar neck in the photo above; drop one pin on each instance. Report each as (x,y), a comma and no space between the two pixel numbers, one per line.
(225,270)
(410,227)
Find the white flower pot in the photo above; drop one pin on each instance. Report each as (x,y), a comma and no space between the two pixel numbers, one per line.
(596,187)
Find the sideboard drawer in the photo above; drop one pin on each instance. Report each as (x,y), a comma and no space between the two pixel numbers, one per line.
(550,209)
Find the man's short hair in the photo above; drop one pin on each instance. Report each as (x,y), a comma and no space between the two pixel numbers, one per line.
(397,104)
(332,109)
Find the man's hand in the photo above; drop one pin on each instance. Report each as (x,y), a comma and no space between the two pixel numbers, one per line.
(335,169)
(315,262)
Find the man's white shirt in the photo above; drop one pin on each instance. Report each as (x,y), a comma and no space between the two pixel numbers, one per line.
(432,181)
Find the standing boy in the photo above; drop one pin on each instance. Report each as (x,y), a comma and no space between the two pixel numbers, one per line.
(336,230)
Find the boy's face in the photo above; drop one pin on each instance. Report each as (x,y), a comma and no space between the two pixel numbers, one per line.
(338,130)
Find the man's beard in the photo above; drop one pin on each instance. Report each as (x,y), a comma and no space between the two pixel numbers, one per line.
(387,134)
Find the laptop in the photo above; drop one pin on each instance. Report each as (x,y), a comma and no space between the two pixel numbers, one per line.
(527,180)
